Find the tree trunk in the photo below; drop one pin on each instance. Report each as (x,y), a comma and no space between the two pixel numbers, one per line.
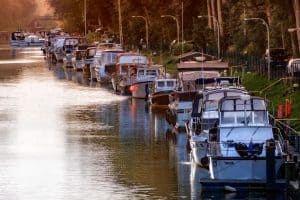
(220,19)
(213,13)
(269,12)
(297,17)
(209,13)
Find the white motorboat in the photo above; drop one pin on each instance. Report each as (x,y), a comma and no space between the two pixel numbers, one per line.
(205,115)
(237,147)
(145,77)
(18,39)
(160,91)
(126,71)
(104,63)
(180,106)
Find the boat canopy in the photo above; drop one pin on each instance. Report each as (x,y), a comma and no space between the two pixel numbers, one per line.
(214,65)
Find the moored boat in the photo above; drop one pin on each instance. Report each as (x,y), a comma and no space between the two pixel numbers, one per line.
(126,71)
(144,79)
(238,146)
(161,89)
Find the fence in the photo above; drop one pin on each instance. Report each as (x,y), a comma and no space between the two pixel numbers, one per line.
(254,63)
(289,133)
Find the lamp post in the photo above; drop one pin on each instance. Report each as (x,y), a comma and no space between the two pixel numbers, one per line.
(177,24)
(84,17)
(268,38)
(147,28)
(291,30)
(218,26)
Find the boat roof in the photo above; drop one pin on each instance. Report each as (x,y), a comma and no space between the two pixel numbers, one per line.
(214,65)
(194,75)
(166,79)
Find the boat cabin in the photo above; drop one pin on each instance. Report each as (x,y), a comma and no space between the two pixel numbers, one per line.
(147,74)
(128,63)
(165,85)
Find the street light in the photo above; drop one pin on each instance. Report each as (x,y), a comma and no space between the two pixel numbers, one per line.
(218,26)
(147,28)
(268,38)
(84,17)
(177,24)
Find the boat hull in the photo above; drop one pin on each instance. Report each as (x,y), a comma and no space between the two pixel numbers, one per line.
(199,150)
(160,99)
(140,90)
(240,168)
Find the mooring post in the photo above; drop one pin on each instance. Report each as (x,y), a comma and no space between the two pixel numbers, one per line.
(270,164)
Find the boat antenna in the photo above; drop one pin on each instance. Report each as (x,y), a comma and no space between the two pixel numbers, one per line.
(202,71)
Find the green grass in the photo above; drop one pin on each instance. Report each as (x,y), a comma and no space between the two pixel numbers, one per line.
(276,94)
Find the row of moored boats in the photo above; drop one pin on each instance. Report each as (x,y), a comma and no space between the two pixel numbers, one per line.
(228,129)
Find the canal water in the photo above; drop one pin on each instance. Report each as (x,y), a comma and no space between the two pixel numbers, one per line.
(62,137)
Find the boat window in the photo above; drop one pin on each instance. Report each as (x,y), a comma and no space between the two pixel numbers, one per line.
(160,84)
(124,69)
(114,57)
(208,123)
(259,104)
(170,83)
(141,73)
(151,73)
(215,96)
(228,105)
(211,105)
(242,105)
(227,118)
(260,117)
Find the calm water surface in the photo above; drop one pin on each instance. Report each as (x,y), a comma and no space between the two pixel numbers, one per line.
(62,137)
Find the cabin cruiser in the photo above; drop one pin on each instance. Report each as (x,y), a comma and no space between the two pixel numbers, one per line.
(160,91)
(190,82)
(34,40)
(237,147)
(126,71)
(145,77)
(105,63)
(205,115)
(18,39)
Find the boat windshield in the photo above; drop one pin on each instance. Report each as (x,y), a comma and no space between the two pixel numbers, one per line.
(211,105)
(151,72)
(170,84)
(250,112)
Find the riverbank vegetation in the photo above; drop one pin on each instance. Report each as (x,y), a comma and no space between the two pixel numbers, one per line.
(236,34)
(16,14)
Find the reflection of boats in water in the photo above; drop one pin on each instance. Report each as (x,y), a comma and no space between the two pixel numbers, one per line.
(59,71)
(69,73)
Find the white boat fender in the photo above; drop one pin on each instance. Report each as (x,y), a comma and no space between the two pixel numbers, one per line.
(230,189)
